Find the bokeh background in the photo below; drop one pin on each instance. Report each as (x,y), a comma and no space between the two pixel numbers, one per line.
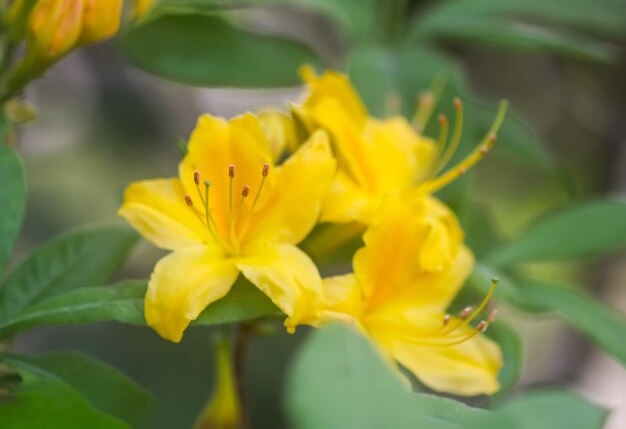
(103,123)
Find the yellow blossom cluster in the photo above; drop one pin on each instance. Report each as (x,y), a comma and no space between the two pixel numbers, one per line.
(237,209)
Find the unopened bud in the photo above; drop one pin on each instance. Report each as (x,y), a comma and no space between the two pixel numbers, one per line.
(101,20)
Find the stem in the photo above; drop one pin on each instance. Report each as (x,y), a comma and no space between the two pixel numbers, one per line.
(242,339)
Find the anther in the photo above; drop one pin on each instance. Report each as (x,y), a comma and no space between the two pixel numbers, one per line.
(482,326)
(207,183)
(196,177)
(458,104)
(466,312)
(231,170)
(484,150)
(492,316)
(443,120)
(266,170)
(188,200)
(462,171)
(492,138)
(446,319)
(245,191)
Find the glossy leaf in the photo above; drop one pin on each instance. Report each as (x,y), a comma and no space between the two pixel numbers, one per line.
(122,302)
(83,257)
(243,302)
(339,380)
(43,401)
(589,229)
(206,49)
(103,386)
(12,200)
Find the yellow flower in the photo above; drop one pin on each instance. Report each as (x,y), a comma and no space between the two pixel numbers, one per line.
(378,157)
(411,268)
(231,211)
(101,20)
(280,132)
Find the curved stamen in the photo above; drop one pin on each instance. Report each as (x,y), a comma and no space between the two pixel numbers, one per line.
(476,155)
(441,145)
(456,138)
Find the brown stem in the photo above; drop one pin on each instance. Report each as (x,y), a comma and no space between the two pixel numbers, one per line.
(242,339)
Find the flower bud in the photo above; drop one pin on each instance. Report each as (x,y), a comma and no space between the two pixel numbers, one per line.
(101,20)
(54,28)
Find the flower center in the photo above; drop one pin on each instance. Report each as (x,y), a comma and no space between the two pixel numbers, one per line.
(239,216)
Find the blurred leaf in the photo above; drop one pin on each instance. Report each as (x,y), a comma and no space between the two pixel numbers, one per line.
(338,380)
(480,226)
(12,200)
(122,302)
(103,386)
(513,355)
(546,410)
(44,401)
(244,302)
(82,257)
(568,27)
(205,49)
(590,229)
(357,17)
(597,321)
(516,139)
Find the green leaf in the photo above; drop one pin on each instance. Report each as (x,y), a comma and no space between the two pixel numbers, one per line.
(546,410)
(338,380)
(12,200)
(122,302)
(599,323)
(44,401)
(83,257)
(244,302)
(568,27)
(589,229)
(103,386)
(206,49)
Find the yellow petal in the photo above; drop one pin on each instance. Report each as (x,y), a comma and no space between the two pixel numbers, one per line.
(343,299)
(280,132)
(469,368)
(294,194)
(397,254)
(182,285)
(157,209)
(288,277)
(101,20)
(347,202)
(214,145)
(333,85)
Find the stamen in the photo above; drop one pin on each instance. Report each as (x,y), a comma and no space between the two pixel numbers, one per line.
(427,102)
(231,175)
(196,177)
(265,171)
(456,138)
(446,319)
(466,313)
(188,200)
(476,155)
(245,191)
(441,144)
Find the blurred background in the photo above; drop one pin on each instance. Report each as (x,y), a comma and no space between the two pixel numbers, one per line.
(103,123)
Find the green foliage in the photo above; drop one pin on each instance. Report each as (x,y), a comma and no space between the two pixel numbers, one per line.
(564,27)
(546,409)
(70,390)
(589,229)
(12,200)
(512,354)
(207,49)
(83,257)
(597,321)
(244,302)
(339,380)
(122,302)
